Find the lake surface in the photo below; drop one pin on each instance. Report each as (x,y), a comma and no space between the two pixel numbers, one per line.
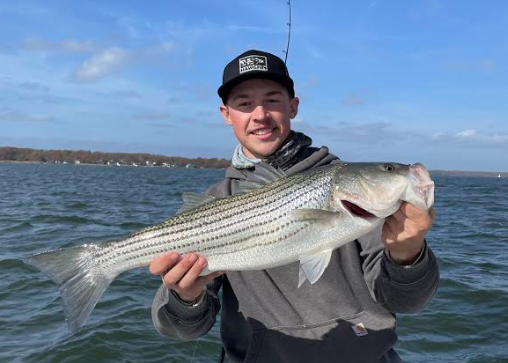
(45,207)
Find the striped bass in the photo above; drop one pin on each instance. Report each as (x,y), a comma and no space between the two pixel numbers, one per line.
(275,220)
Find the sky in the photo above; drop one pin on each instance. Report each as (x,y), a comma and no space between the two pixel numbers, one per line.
(401,81)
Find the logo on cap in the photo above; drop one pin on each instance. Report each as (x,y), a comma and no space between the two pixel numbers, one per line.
(253,63)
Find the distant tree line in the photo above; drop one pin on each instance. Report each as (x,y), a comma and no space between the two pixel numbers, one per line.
(97,157)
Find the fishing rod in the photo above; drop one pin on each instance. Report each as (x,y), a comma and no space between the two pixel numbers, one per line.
(289,32)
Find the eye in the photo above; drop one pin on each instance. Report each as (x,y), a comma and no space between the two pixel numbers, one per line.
(389,167)
(273,101)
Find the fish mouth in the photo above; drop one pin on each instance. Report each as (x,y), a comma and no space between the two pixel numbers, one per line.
(356,210)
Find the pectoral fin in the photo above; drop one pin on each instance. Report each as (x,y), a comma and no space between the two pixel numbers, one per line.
(320,216)
(313,266)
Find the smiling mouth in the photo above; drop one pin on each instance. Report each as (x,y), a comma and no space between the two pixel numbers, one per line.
(263,131)
(356,210)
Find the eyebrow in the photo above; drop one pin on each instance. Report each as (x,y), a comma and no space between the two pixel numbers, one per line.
(273,93)
(240,96)
(267,94)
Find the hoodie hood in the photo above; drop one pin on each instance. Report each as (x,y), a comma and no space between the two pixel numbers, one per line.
(309,157)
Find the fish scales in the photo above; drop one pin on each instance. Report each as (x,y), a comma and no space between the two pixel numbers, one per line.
(222,226)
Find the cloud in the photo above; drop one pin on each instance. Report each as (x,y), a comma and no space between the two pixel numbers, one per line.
(353,100)
(23,9)
(466,133)
(151,116)
(216,125)
(202,92)
(359,133)
(65,46)
(206,114)
(44,98)
(254,29)
(102,64)
(126,94)
(487,64)
(316,53)
(16,116)
(75,46)
(164,126)
(186,33)
(34,86)
(168,47)
(112,59)
(174,100)
(471,138)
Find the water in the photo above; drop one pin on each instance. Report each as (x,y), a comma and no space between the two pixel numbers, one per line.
(50,206)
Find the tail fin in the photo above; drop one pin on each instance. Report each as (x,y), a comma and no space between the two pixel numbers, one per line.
(80,279)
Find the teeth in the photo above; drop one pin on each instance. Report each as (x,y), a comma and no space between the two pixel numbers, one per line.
(262,131)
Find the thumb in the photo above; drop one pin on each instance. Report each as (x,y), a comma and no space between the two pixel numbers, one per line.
(206,279)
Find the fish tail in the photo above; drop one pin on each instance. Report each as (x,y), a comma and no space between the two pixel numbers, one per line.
(80,278)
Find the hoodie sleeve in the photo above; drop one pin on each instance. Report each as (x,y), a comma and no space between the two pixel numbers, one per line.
(177,320)
(174,318)
(400,289)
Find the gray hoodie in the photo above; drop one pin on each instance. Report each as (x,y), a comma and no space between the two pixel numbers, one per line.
(348,315)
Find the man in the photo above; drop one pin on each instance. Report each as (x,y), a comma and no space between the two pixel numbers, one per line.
(348,315)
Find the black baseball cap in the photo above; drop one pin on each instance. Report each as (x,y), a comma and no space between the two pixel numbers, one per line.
(255,64)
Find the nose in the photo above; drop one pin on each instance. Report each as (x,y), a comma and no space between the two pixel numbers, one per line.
(259,113)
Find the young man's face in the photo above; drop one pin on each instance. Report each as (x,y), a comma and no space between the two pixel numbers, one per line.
(260,111)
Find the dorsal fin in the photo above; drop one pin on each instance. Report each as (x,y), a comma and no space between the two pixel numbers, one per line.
(193,200)
(264,174)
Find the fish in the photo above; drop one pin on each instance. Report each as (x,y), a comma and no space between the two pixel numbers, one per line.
(274,219)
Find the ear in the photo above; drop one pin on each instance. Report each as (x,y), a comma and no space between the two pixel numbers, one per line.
(293,104)
(224,110)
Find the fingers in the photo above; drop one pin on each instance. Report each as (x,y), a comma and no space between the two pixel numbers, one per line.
(407,224)
(391,229)
(414,213)
(163,263)
(182,274)
(176,272)
(192,274)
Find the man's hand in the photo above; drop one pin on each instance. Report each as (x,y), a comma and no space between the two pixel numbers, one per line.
(181,274)
(404,232)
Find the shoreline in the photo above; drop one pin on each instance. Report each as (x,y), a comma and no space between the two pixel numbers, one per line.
(105,165)
(463,173)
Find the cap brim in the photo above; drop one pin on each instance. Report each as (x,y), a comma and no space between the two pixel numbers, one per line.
(285,81)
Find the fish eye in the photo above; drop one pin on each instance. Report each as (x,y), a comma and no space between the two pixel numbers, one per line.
(389,167)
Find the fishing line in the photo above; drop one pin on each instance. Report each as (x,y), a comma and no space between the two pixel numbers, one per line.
(195,348)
